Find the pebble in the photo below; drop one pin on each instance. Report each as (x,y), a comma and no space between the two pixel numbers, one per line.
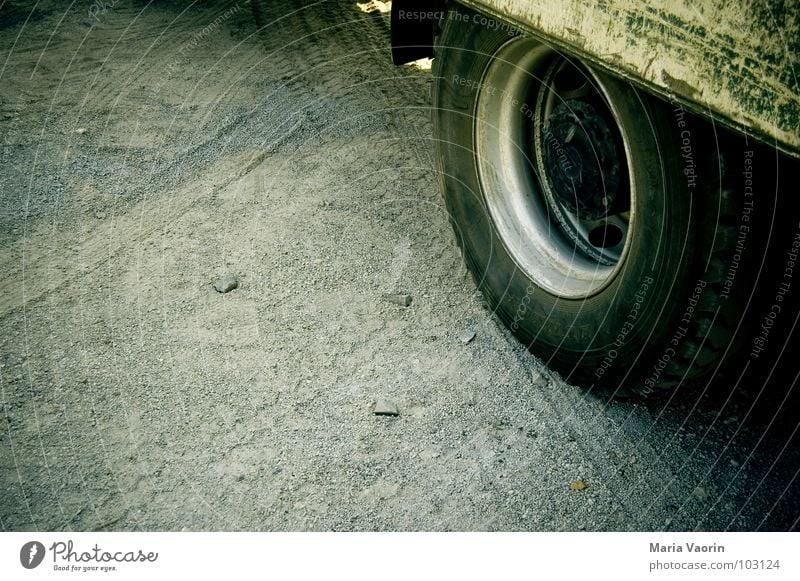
(399,299)
(80,130)
(385,407)
(226,284)
(701,493)
(537,378)
(466,336)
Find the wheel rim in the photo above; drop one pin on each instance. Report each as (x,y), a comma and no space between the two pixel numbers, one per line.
(553,163)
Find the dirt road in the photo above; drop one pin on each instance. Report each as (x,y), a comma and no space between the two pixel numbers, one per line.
(150,148)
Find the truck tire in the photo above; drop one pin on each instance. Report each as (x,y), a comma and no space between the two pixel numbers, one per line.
(593,217)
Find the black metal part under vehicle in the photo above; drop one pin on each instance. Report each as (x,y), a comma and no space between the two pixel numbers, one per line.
(414,24)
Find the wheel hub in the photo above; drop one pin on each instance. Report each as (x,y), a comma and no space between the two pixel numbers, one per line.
(581,160)
(554,173)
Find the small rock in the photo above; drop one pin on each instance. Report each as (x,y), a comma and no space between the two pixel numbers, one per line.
(80,130)
(538,378)
(399,299)
(734,463)
(385,407)
(701,493)
(578,485)
(466,336)
(226,284)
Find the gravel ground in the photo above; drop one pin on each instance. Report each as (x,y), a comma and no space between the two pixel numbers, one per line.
(150,149)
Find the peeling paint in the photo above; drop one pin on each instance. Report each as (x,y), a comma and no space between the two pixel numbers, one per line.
(677,86)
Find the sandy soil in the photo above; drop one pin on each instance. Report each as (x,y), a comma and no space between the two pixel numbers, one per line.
(151,148)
